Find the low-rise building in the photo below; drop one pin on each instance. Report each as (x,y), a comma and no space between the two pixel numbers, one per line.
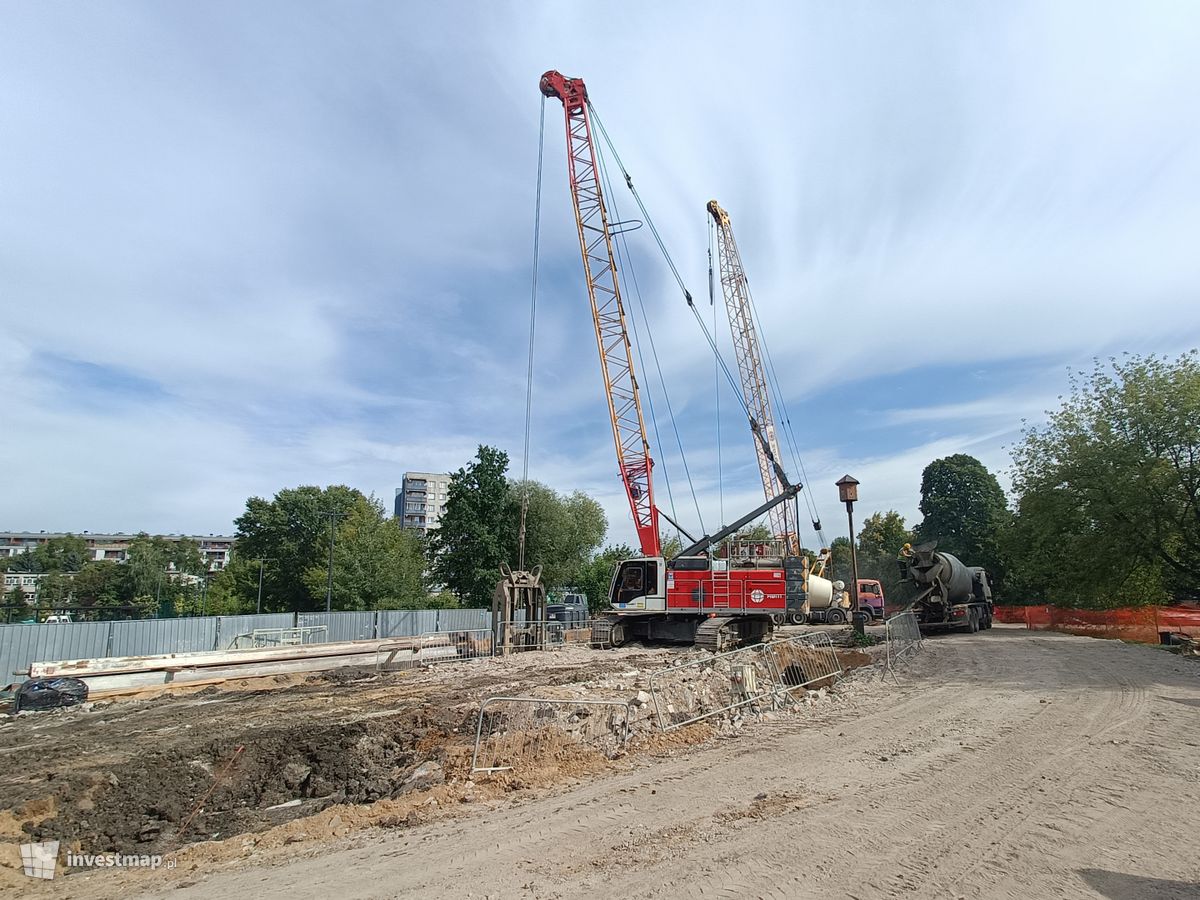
(215,548)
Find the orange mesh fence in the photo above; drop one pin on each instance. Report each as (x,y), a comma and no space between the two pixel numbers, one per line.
(1146,624)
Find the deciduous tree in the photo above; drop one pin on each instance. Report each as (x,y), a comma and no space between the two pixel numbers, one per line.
(965,511)
(474,535)
(595,577)
(561,532)
(290,531)
(1109,488)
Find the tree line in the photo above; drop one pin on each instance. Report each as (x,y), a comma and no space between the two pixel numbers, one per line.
(1105,507)
(158,577)
(1105,511)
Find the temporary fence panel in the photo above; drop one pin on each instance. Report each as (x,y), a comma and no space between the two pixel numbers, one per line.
(902,637)
(280,637)
(341,626)
(805,661)
(713,685)
(460,619)
(536,634)
(520,734)
(232,626)
(433,647)
(21,645)
(411,622)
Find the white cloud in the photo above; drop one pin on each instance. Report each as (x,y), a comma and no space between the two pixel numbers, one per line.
(312,234)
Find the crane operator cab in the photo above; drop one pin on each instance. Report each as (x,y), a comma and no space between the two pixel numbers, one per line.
(639,584)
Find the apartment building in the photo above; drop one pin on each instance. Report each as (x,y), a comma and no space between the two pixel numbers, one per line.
(421,498)
(215,548)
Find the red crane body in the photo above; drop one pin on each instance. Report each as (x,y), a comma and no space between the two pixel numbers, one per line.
(608,309)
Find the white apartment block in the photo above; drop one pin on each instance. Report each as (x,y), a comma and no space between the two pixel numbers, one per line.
(421,498)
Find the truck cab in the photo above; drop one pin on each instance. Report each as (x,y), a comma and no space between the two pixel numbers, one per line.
(570,610)
(870,598)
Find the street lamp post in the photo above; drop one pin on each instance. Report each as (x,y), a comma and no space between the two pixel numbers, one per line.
(333,515)
(848,493)
(260,580)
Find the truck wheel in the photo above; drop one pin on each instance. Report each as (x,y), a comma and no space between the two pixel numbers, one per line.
(974,617)
(835,617)
(777,619)
(795,618)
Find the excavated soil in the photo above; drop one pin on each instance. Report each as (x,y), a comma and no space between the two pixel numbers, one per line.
(208,775)
(151,774)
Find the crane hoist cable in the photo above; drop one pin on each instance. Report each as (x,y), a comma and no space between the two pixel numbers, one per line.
(789,434)
(688,297)
(627,266)
(712,302)
(537,235)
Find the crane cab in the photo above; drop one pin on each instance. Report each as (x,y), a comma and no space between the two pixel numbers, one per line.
(639,584)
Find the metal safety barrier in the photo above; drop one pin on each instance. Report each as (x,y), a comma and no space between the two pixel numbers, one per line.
(761,677)
(551,634)
(687,693)
(903,638)
(434,647)
(519,636)
(519,734)
(280,637)
(804,661)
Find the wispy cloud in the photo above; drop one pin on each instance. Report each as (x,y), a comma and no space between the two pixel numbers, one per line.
(248,246)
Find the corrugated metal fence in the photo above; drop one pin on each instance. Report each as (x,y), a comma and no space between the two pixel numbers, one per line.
(21,645)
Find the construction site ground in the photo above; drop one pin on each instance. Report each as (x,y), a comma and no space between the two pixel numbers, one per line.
(1007,763)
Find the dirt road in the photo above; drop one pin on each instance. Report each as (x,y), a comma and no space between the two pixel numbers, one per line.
(1006,764)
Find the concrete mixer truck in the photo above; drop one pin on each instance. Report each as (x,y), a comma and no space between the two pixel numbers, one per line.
(952,596)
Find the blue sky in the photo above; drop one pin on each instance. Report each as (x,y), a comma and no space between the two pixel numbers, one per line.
(247,246)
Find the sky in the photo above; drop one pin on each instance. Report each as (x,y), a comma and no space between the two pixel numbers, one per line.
(248,246)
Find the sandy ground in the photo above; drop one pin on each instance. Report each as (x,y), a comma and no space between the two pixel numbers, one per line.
(1005,764)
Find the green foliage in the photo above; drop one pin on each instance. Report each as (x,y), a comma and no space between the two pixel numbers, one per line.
(839,560)
(883,534)
(671,546)
(290,532)
(61,554)
(965,511)
(100,583)
(53,589)
(145,568)
(561,532)
(68,553)
(1109,509)
(595,577)
(233,591)
(754,533)
(376,563)
(880,540)
(474,535)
